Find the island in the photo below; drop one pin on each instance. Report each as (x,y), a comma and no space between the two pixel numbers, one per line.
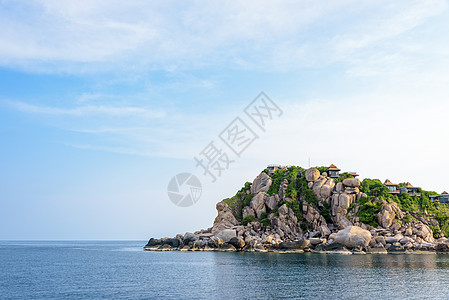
(291,209)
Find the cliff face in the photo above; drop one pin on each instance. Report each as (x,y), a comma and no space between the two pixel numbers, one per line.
(294,209)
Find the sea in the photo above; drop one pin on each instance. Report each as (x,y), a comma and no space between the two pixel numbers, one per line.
(122,270)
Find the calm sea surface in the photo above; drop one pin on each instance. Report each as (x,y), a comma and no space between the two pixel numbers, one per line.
(112,270)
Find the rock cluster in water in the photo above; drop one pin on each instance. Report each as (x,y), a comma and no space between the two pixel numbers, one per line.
(274,222)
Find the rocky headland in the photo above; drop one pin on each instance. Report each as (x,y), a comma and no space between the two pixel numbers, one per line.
(297,210)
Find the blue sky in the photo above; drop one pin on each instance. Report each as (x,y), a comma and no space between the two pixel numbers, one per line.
(102,103)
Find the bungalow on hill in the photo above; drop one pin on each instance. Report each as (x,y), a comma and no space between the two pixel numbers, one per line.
(411,190)
(393,188)
(333,171)
(274,168)
(442,198)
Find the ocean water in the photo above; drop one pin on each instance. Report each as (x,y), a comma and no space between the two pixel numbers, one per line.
(122,270)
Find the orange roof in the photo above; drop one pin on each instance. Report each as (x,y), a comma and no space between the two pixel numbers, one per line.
(389,183)
(332,167)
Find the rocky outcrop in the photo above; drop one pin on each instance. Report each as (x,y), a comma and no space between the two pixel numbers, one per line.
(315,219)
(262,183)
(258,203)
(225,218)
(226,235)
(386,215)
(318,215)
(272,202)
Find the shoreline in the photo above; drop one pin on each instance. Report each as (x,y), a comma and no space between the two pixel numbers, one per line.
(348,252)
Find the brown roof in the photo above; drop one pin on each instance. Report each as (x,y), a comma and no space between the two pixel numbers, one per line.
(332,167)
(389,183)
(410,186)
(444,193)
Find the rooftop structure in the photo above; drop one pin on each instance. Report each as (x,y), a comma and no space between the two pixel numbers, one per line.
(443,197)
(333,171)
(273,168)
(393,188)
(410,189)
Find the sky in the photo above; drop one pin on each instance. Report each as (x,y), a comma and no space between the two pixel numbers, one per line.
(103,102)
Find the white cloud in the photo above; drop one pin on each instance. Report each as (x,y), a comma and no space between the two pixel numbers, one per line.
(103,35)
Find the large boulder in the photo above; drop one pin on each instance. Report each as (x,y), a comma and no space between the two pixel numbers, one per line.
(295,245)
(226,235)
(312,174)
(353,237)
(237,242)
(327,188)
(351,182)
(174,242)
(225,218)
(344,200)
(248,211)
(424,232)
(258,203)
(272,202)
(386,215)
(189,237)
(261,183)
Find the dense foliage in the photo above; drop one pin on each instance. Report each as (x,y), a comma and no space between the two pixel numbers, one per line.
(368,211)
(297,190)
(343,176)
(421,206)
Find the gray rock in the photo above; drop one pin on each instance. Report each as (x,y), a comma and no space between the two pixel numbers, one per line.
(225,218)
(442,247)
(248,211)
(386,215)
(258,203)
(272,202)
(351,182)
(380,240)
(189,237)
(174,243)
(396,247)
(339,187)
(353,236)
(312,174)
(390,240)
(336,247)
(344,200)
(405,240)
(226,235)
(262,183)
(295,245)
(316,241)
(237,242)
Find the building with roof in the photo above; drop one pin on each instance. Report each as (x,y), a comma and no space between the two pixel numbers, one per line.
(333,171)
(273,168)
(392,187)
(410,189)
(442,198)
